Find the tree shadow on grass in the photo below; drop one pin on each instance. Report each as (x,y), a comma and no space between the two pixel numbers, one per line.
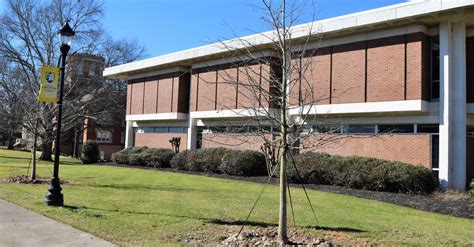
(144,187)
(212,220)
(14,158)
(335,229)
(240,223)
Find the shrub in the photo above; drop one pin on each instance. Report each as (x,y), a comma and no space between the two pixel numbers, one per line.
(243,163)
(157,157)
(362,173)
(90,152)
(122,156)
(207,159)
(179,160)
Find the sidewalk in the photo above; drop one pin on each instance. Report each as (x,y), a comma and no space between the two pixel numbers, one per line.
(21,227)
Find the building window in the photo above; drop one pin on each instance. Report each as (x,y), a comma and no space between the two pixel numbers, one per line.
(435,63)
(427,128)
(104,136)
(122,137)
(176,130)
(326,129)
(395,128)
(358,129)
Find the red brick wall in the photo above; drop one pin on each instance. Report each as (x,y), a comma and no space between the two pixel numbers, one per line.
(159,140)
(418,67)
(227,88)
(412,149)
(386,69)
(248,93)
(316,71)
(159,94)
(165,94)
(129,98)
(207,91)
(136,106)
(151,96)
(348,73)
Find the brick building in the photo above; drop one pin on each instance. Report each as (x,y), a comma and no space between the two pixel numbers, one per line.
(383,90)
(108,131)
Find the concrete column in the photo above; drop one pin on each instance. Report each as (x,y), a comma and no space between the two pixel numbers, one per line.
(129,134)
(459,106)
(445,98)
(452,105)
(192,134)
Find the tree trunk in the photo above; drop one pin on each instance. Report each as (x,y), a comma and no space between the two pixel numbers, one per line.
(33,156)
(47,151)
(11,141)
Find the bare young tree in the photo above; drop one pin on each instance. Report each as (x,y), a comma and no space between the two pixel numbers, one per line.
(274,79)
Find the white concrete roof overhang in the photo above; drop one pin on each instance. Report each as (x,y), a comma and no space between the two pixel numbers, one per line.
(423,11)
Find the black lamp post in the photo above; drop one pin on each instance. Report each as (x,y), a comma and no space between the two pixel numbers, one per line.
(54,196)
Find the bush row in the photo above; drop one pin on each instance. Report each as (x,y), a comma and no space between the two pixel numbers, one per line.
(362,173)
(221,160)
(213,160)
(314,168)
(144,156)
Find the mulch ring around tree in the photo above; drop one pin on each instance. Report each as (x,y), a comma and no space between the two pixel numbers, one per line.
(268,237)
(22,179)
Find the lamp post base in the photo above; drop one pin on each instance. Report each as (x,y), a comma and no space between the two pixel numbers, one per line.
(54,196)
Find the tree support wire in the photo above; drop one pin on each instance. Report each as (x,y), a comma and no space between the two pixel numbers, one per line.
(289,195)
(304,188)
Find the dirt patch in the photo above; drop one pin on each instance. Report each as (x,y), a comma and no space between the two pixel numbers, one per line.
(27,180)
(227,235)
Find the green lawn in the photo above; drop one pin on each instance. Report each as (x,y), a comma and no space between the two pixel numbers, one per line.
(146,207)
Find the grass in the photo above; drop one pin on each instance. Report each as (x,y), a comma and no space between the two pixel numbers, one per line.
(147,207)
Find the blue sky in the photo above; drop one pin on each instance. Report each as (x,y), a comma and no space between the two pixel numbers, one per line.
(165,26)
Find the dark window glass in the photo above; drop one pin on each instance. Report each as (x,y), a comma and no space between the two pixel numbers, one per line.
(240,129)
(428,128)
(330,129)
(218,129)
(396,128)
(435,63)
(161,130)
(148,130)
(359,129)
(175,130)
(435,152)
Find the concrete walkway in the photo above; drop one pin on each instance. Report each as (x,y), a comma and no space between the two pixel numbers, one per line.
(21,227)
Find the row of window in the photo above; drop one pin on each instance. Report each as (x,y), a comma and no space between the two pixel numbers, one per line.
(326,129)
(176,130)
(333,129)
(375,129)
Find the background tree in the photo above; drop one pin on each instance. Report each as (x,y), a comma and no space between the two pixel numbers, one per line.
(28,40)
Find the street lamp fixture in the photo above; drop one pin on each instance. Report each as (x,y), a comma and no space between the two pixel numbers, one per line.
(54,196)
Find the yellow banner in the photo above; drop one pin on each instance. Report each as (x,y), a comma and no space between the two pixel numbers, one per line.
(49,84)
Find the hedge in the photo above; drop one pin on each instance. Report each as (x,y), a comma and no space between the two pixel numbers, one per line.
(244,163)
(362,173)
(221,160)
(90,153)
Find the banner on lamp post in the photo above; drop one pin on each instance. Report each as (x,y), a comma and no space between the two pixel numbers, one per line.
(49,84)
